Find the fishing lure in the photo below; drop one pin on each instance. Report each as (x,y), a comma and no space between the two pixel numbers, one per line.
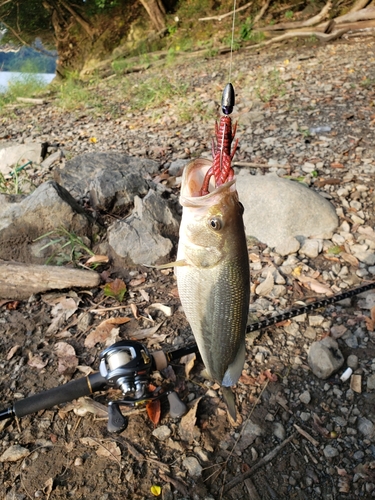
(222,151)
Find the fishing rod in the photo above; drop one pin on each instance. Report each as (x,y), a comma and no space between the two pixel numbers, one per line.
(127,365)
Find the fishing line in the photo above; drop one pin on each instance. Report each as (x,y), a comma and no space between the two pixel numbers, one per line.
(232,41)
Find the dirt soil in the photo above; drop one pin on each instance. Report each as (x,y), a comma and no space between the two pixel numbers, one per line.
(67,452)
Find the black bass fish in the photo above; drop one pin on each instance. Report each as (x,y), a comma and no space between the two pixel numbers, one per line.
(213,275)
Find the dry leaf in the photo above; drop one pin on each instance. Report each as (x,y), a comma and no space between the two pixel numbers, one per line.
(61,312)
(137,281)
(145,295)
(97,259)
(112,337)
(247,379)
(315,285)
(109,449)
(115,289)
(101,332)
(146,332)
(154,411)
(134,309)
(37,362)
(68,360)
(12,352)
(187,428)
(12,305)
(189,361)
(350,259)
(47,489)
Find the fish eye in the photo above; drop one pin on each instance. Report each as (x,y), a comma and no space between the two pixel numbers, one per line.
(216,223)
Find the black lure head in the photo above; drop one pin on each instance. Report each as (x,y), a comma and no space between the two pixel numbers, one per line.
(228,99)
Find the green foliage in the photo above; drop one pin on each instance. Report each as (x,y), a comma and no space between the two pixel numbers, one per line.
(24,85)
(289,14)
(18,183)
(67,247)
(153,91)
(74,94)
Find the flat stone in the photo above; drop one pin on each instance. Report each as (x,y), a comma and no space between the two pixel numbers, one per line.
(305,397)
(325,358)
(365,427)
(193,467)
(330,452)
(15,155)
(277,209)
(287,246)
(14,453)
(352,361)
(279,431)
(162,433)
(311,248)
(371,382)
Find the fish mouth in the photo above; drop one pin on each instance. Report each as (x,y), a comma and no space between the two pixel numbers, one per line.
(192,180)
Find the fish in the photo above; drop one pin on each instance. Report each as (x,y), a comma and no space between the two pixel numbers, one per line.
(213,276)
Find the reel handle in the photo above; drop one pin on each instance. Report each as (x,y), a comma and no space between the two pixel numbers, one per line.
(62,394)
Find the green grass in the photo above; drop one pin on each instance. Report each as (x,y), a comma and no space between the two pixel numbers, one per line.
(25,85)
(73,94)
(67,247)
(18,183)
(270,85)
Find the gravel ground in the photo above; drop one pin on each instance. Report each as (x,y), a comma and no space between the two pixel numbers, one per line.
(306,112)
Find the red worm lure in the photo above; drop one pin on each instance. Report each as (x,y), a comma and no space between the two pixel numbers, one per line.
(222,151)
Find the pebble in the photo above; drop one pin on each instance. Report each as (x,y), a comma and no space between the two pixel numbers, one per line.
(162,433)
(279,430)
(352,361)
(316,320)
(325,358)
(14,453)
(193,467)
(330,452)
(305,397)
(371,382)
(365,427)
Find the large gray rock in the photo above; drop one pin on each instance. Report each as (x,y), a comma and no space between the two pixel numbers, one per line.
(25,218)
(146,236)
(13,155)
(110,180)
(277,209)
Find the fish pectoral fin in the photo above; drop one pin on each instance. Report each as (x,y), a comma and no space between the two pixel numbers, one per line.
(234,370)
(230,401)
(169,265)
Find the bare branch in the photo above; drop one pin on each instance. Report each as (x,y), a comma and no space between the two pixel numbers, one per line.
(360,15)
(303,24)
(360,4)
(223,16)
(262,11)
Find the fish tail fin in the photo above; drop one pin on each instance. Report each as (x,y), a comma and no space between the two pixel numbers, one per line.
(229,399)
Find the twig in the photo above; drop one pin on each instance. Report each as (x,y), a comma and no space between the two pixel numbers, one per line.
(260,14)
(252,165)
(306,435)
(263,461)
(253,494)
(222,16)
(321,36)
(178,484)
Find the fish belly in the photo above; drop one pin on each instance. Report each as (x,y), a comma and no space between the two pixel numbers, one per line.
(216,302)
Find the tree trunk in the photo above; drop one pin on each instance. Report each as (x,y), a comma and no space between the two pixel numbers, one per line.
(155,9)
